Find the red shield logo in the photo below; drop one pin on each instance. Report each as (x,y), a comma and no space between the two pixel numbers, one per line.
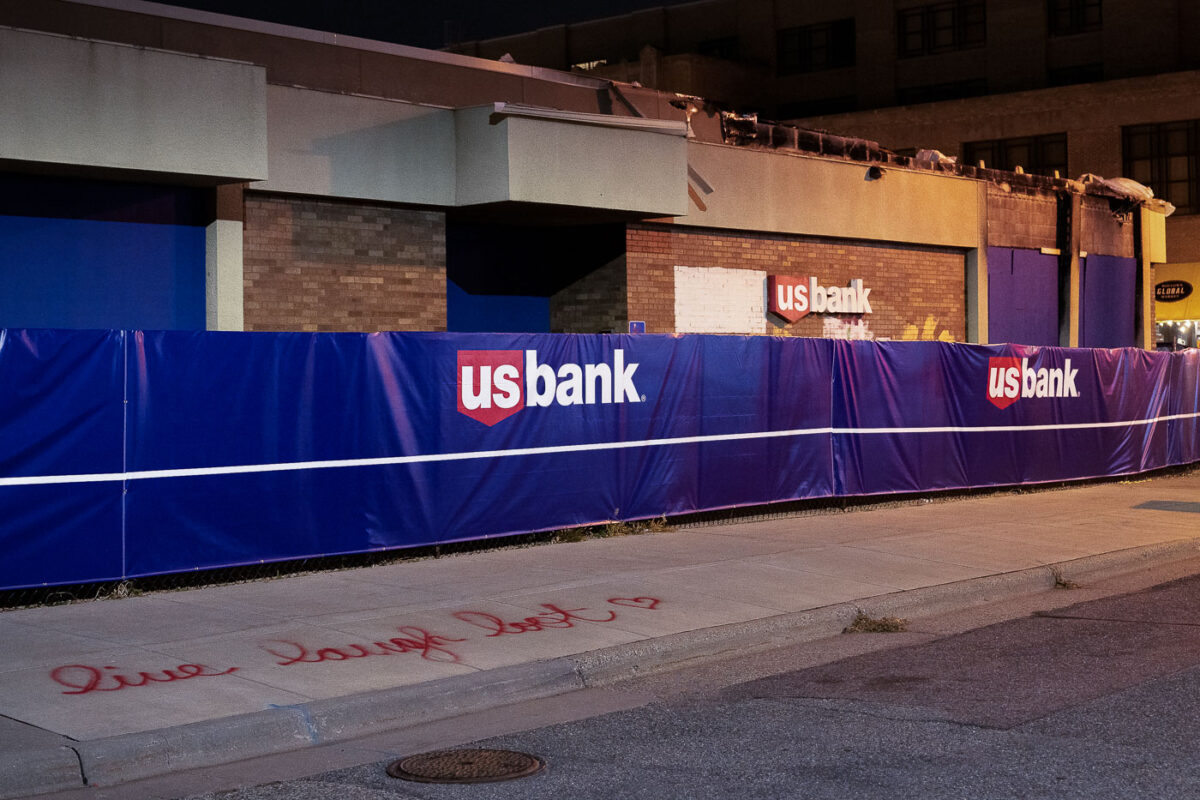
(1004,381)
(490,384)
(787,297)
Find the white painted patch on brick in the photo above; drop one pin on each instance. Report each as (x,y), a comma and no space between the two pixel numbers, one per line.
(719,300)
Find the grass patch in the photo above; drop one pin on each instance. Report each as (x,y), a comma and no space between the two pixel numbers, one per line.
(657,525)
(570,535)
(866,624)
(611,529)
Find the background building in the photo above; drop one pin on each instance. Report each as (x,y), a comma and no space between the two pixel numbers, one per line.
(1108,87)
(168,168)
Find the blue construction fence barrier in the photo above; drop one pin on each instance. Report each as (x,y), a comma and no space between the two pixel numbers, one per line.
(133,453)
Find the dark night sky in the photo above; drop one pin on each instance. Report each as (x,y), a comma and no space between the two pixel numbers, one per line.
(422,24)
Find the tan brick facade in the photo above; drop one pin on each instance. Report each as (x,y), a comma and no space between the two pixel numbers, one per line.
(1023,221)
(1104,232)
(342,266)
(916,292)
(594,303)
(1030,222)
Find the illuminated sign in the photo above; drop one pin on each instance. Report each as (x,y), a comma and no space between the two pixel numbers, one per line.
(794,298)
(1172,291)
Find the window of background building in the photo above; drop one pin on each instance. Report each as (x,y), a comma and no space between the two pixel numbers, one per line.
(1166,157)
(940,27)
(1066,17)
(585,66)
(933,92)
(1041,155)
(727,47)
(812,48)
(817,108)
(1080,73)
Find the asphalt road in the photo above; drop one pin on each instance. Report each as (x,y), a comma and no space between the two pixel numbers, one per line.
(1100,699)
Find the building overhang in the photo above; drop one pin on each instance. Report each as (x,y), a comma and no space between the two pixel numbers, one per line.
(75,104)
(508,153)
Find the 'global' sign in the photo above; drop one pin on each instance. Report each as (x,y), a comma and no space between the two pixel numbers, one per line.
(1172,291)
(795,298)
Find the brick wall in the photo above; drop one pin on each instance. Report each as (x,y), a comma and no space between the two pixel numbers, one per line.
(719,300)
(916,292)
(1031,222)
(1103,233)
(1019,220)
(342,266)
(594,303)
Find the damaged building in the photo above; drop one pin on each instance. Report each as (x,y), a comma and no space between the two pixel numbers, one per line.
(174,169)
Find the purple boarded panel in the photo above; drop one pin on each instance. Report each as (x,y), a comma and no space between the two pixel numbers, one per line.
(1107,302)
(1022,297)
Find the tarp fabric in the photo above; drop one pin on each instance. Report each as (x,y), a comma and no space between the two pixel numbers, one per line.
(131,453)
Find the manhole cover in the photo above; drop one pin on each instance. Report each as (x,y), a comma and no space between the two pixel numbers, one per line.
(466,766)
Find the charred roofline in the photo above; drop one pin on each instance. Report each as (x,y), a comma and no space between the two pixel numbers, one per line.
(745,130)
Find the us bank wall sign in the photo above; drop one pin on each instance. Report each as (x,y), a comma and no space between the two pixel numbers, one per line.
(794,298)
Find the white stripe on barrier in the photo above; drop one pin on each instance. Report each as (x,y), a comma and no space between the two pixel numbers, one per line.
(41,480)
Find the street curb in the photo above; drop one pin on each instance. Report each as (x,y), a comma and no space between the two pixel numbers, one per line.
(621,662)
(129,757)
(45,769)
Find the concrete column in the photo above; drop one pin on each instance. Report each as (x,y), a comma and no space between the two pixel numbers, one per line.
(223,263)
(977,296)
(223,276)
(977,278)
(1143,309)
(1069,281)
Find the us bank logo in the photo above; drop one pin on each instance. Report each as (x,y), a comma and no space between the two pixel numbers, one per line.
(495,384)
(794,298)
(1010,379)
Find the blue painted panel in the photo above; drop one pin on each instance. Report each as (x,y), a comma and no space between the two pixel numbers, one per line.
(495,313)
(83,273)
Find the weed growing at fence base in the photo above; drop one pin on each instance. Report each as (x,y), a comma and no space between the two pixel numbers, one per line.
(611,529)
(1062,582)
(866,624)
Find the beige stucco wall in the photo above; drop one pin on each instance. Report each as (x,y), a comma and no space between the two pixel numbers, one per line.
(362,148)
(74,102)
(591,162)
(780,192)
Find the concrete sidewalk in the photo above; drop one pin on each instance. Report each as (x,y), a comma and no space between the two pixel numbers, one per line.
(114,690)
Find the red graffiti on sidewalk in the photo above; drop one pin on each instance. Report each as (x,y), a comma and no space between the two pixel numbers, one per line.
(552,617)
(648,603)
(82,679)
(431,647)
(85,679)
